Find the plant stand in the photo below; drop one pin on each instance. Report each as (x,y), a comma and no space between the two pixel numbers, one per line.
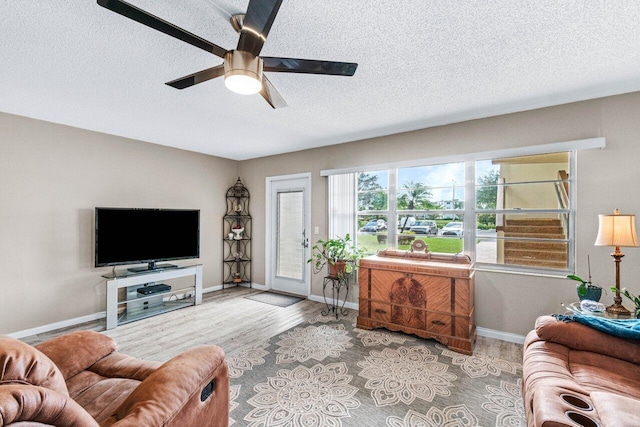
(337,283)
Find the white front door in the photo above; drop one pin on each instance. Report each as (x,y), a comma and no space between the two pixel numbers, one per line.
(288,234)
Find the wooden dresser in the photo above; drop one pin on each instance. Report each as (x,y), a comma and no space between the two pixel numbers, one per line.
(431,298)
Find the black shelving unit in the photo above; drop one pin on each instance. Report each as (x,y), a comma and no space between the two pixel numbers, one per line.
(236,251)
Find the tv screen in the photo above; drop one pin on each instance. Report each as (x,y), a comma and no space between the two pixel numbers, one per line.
(132,236)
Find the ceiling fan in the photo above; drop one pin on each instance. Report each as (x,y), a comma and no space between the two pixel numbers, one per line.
(242,67)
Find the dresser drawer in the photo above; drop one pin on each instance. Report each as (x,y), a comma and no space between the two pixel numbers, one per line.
(439,323)
(380,312)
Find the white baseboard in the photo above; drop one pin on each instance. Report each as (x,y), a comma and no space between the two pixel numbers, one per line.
(351,305)
(499,335)
(216,288)
(244,285)
(483,332)
(58,325)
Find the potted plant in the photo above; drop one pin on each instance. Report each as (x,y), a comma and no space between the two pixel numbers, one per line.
(339,254)
(586,289)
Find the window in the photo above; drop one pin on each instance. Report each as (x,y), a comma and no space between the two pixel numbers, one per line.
(513,213)
(523,211)
(373,209)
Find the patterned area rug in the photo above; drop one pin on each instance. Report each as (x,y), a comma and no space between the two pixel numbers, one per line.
(329,373)
(274,299)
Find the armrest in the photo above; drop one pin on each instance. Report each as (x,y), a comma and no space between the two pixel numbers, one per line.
(177,393)
(21,402)
(22,364)
(118,365)
(581,337)
(75,352)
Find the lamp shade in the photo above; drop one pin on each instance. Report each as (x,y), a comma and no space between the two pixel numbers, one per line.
(617,230)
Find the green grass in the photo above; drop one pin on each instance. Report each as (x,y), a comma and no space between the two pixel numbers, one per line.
(449,245)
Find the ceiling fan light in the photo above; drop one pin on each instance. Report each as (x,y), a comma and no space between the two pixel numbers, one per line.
(242,72)
(242,84)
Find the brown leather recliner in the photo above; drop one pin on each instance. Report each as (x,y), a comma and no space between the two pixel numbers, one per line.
(80,379)
(574,375)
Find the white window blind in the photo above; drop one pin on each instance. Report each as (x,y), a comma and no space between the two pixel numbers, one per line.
(342,205)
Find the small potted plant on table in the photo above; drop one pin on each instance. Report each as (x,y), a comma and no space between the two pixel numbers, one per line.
(339,254)
(586,290)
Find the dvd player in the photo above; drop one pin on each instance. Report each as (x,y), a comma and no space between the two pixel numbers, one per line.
(154,289)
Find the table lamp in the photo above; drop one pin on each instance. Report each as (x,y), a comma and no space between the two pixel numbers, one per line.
(617,230)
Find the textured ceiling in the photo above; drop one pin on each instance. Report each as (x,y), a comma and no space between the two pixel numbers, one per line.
(421,63)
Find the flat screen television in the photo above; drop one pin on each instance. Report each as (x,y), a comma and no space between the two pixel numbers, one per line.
(135,236)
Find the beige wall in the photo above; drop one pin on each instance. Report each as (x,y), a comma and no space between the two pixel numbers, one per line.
(504,302)
(51,178)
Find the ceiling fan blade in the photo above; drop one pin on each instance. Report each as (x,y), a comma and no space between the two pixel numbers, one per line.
(257,24)
(145,18)
(195,78)
(309,66)
(271,95)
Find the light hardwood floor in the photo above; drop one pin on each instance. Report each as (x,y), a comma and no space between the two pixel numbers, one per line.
(229,320)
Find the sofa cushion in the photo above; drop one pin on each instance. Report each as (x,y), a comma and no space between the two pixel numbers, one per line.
(87,348)
(596,372)
(98,395)
(572,335)
(22,364)
(614,408)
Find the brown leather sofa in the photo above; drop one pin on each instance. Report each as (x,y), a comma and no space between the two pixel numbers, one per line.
(80,379)
(574,375)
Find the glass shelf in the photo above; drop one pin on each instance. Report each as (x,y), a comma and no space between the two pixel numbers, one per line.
(126,273)
(132,305)
(166,306)
(575,308)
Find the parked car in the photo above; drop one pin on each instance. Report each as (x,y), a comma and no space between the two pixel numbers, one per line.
(405,223)
(374,226)
(425,227)
(453,229)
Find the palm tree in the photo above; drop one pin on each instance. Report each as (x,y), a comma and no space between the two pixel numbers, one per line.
(416,196)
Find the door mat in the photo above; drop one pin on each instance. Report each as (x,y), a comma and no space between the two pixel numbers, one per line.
(274,299)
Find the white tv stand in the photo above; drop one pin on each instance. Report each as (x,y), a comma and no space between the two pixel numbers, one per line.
(162,302)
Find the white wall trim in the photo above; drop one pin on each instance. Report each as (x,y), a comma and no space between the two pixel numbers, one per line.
(58,325)
(351,305)
(244,285)
(499,335)
(483,332)
(555,147)
(101,315)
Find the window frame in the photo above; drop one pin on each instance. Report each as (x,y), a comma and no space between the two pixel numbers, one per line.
(470,210)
